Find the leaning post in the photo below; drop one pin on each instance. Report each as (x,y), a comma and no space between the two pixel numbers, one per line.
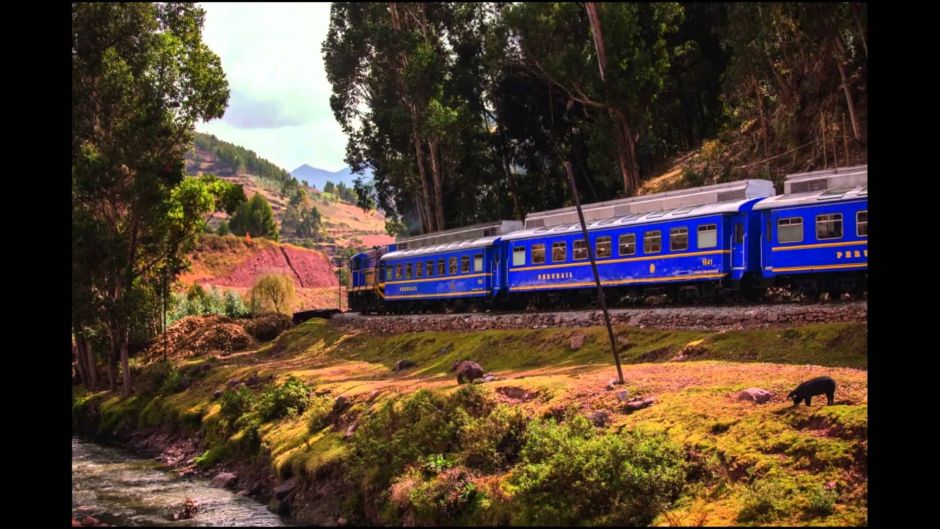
(597,279)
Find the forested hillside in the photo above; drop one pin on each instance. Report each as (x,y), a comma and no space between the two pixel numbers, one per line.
(466,112)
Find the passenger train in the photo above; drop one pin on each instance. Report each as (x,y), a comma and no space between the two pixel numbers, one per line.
(722,242)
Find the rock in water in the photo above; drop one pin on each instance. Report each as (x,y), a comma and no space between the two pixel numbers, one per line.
(224,480)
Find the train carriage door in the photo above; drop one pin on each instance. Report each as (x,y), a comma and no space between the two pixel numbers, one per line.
(738,245)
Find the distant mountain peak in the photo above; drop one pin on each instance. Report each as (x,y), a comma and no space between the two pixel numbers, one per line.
(317,177)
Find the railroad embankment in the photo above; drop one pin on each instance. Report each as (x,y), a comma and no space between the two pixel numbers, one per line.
(333,425)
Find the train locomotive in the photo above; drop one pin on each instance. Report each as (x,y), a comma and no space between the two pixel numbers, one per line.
(723,242)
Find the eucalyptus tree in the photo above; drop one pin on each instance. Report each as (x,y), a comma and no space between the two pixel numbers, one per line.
(141,78)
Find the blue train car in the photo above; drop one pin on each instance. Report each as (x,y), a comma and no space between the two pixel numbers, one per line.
(439,275)
(816,241)
(687,250)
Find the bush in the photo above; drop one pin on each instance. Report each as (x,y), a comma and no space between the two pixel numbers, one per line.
(234,305)
(492,442)
(820,502)
(318,413)
(159,378)
(438,499)
(765,500)
(268,326)
(401,432)
(289,398)
(235,404)
(570,475)
(272,293)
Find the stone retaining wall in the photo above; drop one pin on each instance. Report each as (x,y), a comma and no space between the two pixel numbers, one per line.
(693,318)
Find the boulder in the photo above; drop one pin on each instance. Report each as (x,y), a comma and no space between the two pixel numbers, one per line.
(622,395)
(757,395)
(285,488)
(467,371)
(576,342)
(224,480)
(614,382)
(401,365)
(600,418)
(638,403)
(216,394)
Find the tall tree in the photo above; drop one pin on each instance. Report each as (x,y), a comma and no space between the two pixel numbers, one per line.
(254,217)
(141,78)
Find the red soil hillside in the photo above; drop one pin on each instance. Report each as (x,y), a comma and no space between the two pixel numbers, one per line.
(236,263)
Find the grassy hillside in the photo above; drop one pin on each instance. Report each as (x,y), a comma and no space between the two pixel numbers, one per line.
(721,461)
(345,225)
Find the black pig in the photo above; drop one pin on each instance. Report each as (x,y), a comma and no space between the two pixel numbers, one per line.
(817,386)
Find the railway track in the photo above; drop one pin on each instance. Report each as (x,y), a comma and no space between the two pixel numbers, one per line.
(699,317)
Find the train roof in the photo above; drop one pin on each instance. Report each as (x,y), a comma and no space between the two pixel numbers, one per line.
(679,199)
(813,197)
(427,250)
(730,206)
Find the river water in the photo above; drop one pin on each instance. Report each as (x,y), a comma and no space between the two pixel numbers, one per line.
(119,488)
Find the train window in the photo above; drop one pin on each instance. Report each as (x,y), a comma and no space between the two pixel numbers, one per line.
(627,244)
(477,263)
(397,271)
(602,247)
(538,253)
(453,265)
(707,236)
(678,239)
(419,269)
(652,241)
(580,249)
(829,226)
(440,267)
(408,271)
(465,264)
(861,223)
(559,251)
(518,256)
(739,233)
(790,229)
(430,268)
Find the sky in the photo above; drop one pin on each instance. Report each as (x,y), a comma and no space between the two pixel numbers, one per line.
(279,105)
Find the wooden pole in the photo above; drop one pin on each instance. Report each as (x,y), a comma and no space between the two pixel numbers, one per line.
(597,279)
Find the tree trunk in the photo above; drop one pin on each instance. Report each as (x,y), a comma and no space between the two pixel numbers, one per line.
(86,361)
(760,111)
(513,191)
(848,100)
(436,174)
(591,9)
(626,152)
(112,368)
(125,364)
(419,156)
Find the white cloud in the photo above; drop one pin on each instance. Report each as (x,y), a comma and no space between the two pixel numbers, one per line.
(280,108)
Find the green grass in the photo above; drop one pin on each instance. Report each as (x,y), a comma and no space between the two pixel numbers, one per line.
(812,459)
(828,344)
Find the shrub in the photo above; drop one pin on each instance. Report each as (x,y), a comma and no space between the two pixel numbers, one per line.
(569,474)
(820,502)
(289,398)
(272,293)
(492,442)
(235,404)
(234,305)
(765,500)
(150,381)
(268,326)
(318,413)
(401,432)
(437,499)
